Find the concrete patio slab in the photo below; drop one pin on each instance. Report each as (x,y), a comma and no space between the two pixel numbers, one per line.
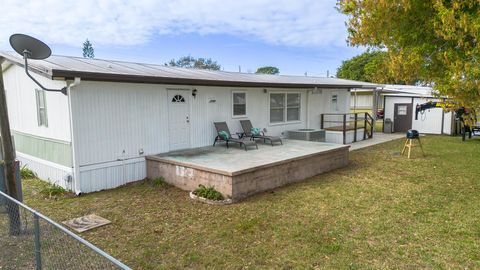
(238,173)
(377,138)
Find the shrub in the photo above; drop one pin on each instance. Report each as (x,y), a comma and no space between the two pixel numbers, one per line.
(208,193)
(52,191)
(159,182)
(26,173)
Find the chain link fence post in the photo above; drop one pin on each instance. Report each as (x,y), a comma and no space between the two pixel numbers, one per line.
(38,252)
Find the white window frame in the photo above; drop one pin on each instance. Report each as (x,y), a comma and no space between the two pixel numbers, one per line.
(41,94)
(285,109)
(233,104)
(334,107)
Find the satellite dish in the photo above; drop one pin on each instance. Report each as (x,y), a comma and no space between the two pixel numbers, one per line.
(30,47)
(34,48)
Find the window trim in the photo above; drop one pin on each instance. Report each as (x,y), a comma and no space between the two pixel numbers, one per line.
(41,94)
(285,108)
(232,104)
(334,94)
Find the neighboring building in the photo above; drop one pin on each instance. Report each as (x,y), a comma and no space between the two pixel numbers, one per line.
(117,113)
(362,99)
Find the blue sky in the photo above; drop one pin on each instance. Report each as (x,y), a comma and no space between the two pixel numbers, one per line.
(295,36)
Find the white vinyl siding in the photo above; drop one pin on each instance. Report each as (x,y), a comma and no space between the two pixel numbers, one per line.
(284,107)
(239,104)
(41,108)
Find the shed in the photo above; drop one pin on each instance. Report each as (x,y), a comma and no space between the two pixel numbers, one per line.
(399,106)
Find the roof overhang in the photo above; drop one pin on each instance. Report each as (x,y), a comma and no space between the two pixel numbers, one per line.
(57,74)
(108,77)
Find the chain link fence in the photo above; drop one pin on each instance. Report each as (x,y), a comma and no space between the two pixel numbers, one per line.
(29,240)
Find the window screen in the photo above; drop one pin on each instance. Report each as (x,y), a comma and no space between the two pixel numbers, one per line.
(239,103)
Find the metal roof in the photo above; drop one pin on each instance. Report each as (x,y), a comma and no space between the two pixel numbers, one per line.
(401,90)
(68,67)
(408,90)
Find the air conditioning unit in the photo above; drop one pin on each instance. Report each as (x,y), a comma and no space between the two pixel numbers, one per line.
(316,135)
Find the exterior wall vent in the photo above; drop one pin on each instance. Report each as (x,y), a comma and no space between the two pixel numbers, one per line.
(316,135)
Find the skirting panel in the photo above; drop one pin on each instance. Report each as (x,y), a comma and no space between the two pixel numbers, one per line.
(48,171)
(111,175)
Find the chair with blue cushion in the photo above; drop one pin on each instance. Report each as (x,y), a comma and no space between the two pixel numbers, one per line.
(256,133)
(223,134)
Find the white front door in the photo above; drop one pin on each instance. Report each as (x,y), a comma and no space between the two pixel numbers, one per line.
(178,119)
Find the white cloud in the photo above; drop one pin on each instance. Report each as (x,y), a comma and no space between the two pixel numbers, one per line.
(306,23)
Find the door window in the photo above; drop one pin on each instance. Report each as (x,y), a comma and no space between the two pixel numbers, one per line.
(402,110)
(178,98)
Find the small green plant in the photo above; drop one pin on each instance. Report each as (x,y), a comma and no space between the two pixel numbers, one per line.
(26,173)
(52,191)
(208,193)
(159,182)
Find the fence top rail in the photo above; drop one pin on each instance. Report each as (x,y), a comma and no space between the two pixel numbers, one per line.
(69,233)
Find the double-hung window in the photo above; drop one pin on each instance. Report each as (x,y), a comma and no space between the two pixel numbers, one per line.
(41,107)
(239,101)
(284,107)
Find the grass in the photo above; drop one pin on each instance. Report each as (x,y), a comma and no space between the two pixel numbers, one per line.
(158,182)
(25,172)
(382,211)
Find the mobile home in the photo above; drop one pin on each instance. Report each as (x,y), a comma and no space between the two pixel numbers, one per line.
(117,113)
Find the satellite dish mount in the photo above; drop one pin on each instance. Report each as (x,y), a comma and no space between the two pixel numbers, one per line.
(32,48)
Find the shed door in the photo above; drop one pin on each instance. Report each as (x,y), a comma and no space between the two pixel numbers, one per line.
(402,118)
(178,119)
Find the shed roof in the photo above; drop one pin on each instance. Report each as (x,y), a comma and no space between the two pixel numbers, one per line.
(407,90)
(400,90)
(68,67)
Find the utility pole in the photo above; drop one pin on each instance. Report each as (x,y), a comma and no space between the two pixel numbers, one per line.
(9,160)
(9,153)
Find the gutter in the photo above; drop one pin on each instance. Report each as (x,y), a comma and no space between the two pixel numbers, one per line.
(76,169)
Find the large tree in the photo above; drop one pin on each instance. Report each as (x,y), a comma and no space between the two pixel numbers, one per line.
(267,70)
(368,66)
(88,51)
(436,41)
(192,62)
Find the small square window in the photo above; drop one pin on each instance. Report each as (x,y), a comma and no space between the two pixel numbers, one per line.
(402,110)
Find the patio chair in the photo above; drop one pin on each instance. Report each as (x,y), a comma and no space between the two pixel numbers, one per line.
(223,134)
(247,132)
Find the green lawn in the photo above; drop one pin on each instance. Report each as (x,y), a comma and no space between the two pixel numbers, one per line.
(382,211)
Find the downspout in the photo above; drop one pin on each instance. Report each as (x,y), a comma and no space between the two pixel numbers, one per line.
(307,118)
(76,170)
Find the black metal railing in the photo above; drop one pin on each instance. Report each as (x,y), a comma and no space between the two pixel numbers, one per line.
(348,121)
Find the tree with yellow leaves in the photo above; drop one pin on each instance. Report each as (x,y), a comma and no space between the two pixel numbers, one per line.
(436,41)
